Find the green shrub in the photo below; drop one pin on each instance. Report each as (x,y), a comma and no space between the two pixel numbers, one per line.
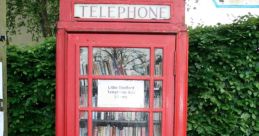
(223,83)
(31,89)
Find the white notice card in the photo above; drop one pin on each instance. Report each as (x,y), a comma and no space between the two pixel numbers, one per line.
(1,123)
(121,93)
(1,81)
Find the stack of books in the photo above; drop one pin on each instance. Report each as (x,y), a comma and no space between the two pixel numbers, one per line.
(116,131)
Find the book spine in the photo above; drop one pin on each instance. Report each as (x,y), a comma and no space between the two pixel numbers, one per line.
(95,132)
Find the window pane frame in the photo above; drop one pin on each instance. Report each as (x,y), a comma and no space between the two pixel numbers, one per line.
(151,78)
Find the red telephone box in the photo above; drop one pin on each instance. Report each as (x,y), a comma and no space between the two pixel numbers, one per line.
(122,68)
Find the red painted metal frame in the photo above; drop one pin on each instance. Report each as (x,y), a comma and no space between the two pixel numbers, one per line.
(174,123)
(60,72)
(181,84)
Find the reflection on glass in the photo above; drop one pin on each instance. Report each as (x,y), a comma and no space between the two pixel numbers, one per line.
(119,91)
(120,124)
(121,61)
(157,124)
(83,61)
(83,93)
(83,124)
(158,62)
(158,94)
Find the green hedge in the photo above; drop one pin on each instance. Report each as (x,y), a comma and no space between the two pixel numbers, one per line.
(223,83)
(31,89)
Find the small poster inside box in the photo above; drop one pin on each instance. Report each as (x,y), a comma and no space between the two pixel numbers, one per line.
(121,93)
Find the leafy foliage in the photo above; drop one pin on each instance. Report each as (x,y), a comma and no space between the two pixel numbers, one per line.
(223,82)
(31,89)
(37,16)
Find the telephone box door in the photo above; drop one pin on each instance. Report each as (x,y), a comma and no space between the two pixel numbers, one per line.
(119,84)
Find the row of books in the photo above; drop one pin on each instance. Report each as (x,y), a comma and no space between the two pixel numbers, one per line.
(105,68)
(157,101)
(158,69)
(157,130)
(83,61)
(108,67)
(120,128)
(112,117)
(158,94)
(83,69)
(116,131)
(159,64)
(126,116)
(83,131)
(83,93)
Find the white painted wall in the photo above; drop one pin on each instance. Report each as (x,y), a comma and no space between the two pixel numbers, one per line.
(206,12)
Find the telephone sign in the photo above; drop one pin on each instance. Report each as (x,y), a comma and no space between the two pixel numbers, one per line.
(122,11)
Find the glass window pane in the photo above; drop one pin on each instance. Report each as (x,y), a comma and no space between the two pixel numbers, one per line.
(158,62)
(120,124)
(83,61)
(83,124)
(157,124)
(83,93)
(121,61)
(111,93)
(158,94)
